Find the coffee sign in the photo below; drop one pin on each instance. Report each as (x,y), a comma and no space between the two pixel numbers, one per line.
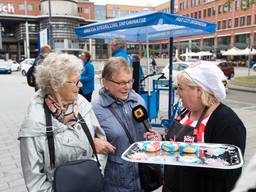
(6,8)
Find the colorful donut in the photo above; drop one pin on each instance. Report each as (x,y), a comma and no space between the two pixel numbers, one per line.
(188,148)
(169,146)
(151,146)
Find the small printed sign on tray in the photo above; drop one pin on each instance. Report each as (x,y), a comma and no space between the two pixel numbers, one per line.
(208,155)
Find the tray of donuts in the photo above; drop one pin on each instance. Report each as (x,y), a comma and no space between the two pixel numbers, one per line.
(208,155)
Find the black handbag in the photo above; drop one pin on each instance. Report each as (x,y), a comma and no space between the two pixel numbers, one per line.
(178,131)
(78,175)
(151,177)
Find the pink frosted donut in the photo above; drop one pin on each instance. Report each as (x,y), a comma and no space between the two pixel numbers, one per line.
(151,146)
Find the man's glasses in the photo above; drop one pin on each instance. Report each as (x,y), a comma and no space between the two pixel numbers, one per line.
(122,83)
(76,83)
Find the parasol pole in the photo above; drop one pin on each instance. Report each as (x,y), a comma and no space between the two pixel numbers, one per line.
(171,92)
(148,68)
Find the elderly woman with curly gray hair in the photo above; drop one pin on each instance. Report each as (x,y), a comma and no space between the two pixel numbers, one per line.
(58,79)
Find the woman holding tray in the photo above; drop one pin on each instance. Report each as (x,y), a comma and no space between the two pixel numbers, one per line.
(201,91)
(114,109)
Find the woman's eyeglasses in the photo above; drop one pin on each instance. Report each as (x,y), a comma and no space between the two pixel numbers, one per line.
(122,83)
(76,83)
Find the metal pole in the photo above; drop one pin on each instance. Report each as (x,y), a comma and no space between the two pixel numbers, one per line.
(27,32)
(171,93)
(50,25)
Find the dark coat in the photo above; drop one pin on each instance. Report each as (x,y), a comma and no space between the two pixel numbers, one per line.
(223,126)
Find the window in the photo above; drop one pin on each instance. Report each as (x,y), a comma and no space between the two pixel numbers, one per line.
(219,9)
(242,21)
(209,12)
(230,23)
(30,7)
(219,25)
(237,4)
(236,22)
(196,15)
(225,8)
(230,7)
(254,19)
(200,14)
(191,15)
(87,11)
(224,24)
(21,7)
(249,20)
(213,11)
(80,10)
(204,13)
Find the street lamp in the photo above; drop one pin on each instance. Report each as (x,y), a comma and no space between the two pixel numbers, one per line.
(50,25)
(26,44)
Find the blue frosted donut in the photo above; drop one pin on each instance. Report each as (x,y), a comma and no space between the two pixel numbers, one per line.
(169,146)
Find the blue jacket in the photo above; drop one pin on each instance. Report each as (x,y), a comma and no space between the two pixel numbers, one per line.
(120,175)
(122,53)
(87,78)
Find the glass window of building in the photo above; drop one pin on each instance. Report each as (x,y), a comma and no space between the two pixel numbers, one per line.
(225,8)
(199,14)
(30,7)
(213,11)
(204,13)
(208,43)
(219,25)
(196,15)
(87,11)
(224,42)
(230,23)
(21,7)
(242,21)
(209,12)
(230,7)
(236,22)
(224,24)
(249,20)
(219,9)
(237,5)
(191,15)
(243,5)
(80,10)
(241,41)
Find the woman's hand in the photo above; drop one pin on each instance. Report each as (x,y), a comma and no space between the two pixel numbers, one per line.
(153,135)
(103,147)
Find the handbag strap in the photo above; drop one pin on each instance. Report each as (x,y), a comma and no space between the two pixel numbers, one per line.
(49,134)
(122,124)
(89,136)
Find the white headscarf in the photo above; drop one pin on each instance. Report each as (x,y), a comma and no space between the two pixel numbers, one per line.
(209,76)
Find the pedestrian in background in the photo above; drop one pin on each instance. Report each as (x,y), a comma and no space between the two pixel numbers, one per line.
(87,76)
(153,63)
(44,51)
(58,80)
(118,96)
(118,49)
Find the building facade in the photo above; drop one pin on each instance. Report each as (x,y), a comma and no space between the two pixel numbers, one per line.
(20,19)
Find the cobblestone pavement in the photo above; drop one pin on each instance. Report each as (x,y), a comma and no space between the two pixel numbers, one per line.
(15,96)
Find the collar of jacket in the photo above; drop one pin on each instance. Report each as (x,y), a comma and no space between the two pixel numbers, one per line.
(108,99)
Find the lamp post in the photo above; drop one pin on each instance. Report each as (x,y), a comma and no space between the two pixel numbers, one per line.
(50,25)
(171,92)
(27,49)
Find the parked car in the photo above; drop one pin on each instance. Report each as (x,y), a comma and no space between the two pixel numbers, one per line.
(176,67)
(14,65)
(5,67)
(25,65)
(227,68)
(254,66)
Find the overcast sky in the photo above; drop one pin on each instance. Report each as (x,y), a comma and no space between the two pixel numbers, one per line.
(131,2)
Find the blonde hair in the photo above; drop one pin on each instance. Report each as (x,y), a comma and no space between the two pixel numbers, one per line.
(207,98)
(56,67)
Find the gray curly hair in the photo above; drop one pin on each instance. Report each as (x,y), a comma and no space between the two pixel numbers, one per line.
(56,67)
